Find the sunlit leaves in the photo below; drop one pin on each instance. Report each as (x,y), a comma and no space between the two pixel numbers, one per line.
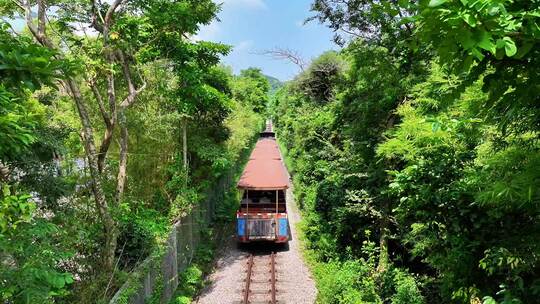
(509,46)
(487,20)
(435,3)
(24,67)
(251,89)
(14,210)
(24,64)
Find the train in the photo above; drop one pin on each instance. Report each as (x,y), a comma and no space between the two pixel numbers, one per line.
(262,214)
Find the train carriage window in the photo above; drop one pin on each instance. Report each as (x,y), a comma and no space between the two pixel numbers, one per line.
(264,201)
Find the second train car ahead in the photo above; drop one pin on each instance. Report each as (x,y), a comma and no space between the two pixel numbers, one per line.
(262,215)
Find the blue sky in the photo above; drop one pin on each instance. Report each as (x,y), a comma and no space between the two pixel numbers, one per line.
(252,26)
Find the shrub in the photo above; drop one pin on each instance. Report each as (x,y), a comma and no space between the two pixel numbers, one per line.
(345,283)
(407,291)
(139,232)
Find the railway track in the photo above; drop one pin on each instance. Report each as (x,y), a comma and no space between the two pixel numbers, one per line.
(260,281)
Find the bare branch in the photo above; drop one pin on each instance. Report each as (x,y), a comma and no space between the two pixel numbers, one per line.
(111,95)
(141,77)
(95,90)
(108,135)
(110,122)
(350,32)
(28,16)
(111,11)
(95,14)
(286,54)
(37,32)
(19,4)
(108,118)
(132,91)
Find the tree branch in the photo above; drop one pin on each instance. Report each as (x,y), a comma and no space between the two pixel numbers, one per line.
(29,22)
(286,54)
(96,13)
(95,90)
(350,32)
(37,32)
(132,91)
(108,135)
(110,12)
(19,4)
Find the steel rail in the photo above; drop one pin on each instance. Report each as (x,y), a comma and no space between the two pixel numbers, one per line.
(248,279)
(273,277)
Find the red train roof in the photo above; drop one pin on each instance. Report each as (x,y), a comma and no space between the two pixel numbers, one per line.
(264,170)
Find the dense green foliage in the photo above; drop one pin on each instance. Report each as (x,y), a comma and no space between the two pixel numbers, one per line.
(93,133)
(251,89)
(28,273)
(422,134)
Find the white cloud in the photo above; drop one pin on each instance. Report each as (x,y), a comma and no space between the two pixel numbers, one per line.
(250,4)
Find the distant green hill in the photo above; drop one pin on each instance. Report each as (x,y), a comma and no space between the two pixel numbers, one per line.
(275,84)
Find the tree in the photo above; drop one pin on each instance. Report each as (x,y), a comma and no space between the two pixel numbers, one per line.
(378,22)
(251,88)
(466,210)
(496,41)
(129,34)
(320,79)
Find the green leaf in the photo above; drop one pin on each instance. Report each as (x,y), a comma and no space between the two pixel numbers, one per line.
(500,44)
(403,3)
(488,300)
(435,3)
(509,47)
(435,126)
(470,19)
(467,63)
(500,53)
(485,42)
(466,39)
(68,278)
(494,9)
(476,53)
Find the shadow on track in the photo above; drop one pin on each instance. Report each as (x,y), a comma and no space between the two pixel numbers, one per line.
(262,248)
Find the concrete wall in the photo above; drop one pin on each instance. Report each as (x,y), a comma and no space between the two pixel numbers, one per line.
(160,273)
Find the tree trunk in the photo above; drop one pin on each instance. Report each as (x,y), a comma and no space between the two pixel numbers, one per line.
(4,172)
(184,143)
(122,166)
(102,206)
(110,120)
(105,144)
(95,160)
(383,240)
